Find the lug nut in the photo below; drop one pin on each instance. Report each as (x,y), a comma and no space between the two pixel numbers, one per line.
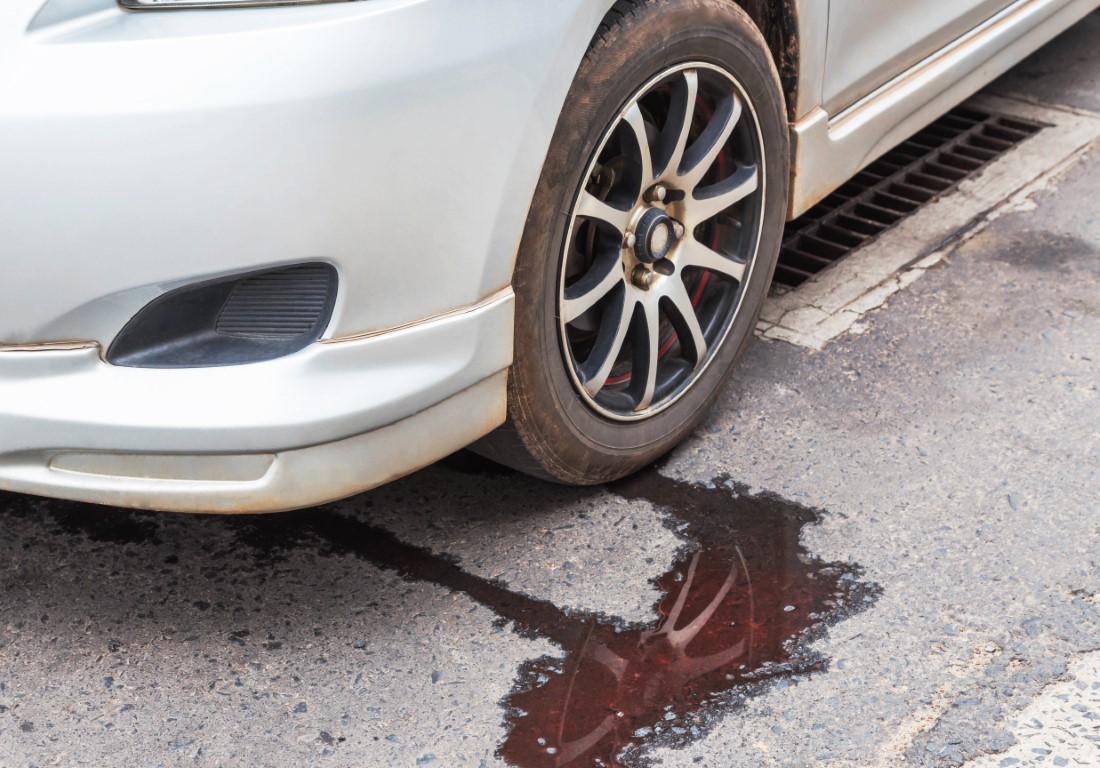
(678,230)
(642,277)
(657,194)
(631,239)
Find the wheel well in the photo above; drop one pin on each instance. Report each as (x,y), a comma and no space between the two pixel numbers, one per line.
(777,20)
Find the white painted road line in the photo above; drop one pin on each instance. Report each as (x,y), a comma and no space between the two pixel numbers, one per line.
(1060,728)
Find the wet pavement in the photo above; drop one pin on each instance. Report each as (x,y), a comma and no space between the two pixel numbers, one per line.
(740,603)
(884,553)
(738,608)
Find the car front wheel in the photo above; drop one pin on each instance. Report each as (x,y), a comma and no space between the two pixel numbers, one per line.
(650,243)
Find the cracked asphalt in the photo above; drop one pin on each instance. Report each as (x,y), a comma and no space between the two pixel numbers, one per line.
(947,459)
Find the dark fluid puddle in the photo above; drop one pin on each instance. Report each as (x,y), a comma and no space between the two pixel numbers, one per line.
(739,608)
(740,605)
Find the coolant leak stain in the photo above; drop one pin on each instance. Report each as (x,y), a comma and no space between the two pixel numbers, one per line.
(738,609)
(739,606)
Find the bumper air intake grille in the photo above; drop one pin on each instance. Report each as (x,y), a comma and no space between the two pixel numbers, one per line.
(920,169)
(230,321)
(277,304)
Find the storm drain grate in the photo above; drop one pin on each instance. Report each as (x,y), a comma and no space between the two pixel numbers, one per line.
(915,172)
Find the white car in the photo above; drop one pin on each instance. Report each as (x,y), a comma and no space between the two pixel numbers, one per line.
(255,258)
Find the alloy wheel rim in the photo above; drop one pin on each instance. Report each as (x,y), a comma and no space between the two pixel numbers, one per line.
(662,242)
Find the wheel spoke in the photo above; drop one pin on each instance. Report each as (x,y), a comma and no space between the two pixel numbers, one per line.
(701,155)
(596,283)
(674,138)
(591,207)
(709,202)
(646,358)
(682,315)
(640,307)
(692,253)
(633,118)
(609,342)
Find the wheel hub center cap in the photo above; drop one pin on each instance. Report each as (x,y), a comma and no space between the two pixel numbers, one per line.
(655,236)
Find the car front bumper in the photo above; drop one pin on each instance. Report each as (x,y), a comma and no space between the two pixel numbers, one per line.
(398,140)
(325,423)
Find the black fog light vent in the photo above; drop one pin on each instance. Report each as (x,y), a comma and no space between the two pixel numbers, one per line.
(230,321)
(277,304)
(928,164)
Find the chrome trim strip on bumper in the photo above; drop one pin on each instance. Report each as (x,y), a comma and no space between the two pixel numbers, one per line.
(503,295)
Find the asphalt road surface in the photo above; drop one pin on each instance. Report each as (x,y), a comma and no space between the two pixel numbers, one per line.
(883,553)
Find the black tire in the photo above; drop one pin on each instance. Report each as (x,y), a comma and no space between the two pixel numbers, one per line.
(554,430)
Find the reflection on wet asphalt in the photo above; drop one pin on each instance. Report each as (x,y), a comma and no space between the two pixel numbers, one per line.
(737,609)
(738,606)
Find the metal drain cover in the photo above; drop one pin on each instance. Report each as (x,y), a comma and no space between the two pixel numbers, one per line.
(915,172)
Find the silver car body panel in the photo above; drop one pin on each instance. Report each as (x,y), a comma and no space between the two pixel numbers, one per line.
(871,42)
(72,426)
(813,39)
(828,149)
(263,482)
(399,141)
(146,151)
(185,145)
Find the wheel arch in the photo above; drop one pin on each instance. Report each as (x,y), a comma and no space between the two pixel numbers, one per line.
(778,22)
